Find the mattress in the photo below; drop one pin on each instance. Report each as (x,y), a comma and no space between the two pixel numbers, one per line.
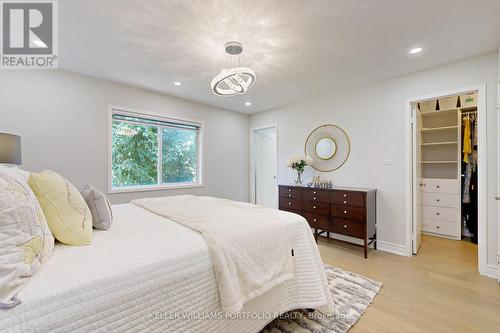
(150,274)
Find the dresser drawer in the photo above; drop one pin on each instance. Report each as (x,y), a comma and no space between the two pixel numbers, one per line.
(316,195)
(441,213)
(318,221)
(290,204)
(440,185)
(348,212)
(316,207)
(349,198)
(347,227)
(441,200)
(441,227)
(290,192)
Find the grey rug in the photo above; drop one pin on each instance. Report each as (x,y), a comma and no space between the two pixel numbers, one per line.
(351,293)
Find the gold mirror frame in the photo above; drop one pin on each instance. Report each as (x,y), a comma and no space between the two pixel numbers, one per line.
(345,138)
(334,147)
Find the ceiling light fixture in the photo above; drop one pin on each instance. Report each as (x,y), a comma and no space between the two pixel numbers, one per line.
(416,50)
(177,83)
(233,80)
(248,103)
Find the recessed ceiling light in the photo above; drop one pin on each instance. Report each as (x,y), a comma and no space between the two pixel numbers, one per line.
(177,83)
(248,103)
(416,50)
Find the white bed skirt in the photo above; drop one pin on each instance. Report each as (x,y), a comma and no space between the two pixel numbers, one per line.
(150,274)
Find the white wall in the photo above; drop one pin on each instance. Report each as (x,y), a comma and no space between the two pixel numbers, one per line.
(62,118)
(374,117)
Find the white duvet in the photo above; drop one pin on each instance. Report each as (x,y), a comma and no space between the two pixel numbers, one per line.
(150,274)
(249,245)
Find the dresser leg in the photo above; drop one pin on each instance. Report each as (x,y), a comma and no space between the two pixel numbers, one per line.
(366,248)
(316,234)
(328,234)
(375,241)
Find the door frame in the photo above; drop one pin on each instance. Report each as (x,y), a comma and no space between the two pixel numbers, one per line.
(252,171)
(482,168)
(416,154)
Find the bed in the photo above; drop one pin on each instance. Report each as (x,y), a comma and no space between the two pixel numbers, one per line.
(151,274)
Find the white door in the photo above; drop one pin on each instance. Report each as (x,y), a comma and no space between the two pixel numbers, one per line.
(266,187)
(417,180)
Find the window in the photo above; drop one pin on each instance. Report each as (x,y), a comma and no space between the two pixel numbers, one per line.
(150,152)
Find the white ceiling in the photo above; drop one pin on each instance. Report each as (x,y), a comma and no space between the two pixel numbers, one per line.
(298,49)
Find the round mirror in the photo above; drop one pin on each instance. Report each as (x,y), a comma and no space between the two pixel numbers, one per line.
(326,148)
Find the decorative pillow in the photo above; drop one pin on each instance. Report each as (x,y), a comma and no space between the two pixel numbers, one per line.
(23,174)
(102,215)
(67,213)
(25,239)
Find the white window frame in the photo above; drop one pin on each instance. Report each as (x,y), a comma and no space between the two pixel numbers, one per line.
(152,115)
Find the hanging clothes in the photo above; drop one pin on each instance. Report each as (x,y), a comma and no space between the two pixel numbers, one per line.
(469,130)
(474,143)
(467,182)
(469,174)
(467,139)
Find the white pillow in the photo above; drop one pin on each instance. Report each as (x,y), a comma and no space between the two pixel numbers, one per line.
(23,174)
(25,238)
(16,171)
(100,208)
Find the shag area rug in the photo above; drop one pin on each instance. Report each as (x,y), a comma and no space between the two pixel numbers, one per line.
(351,293)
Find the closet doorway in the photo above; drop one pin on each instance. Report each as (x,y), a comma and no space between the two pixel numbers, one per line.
(446,189)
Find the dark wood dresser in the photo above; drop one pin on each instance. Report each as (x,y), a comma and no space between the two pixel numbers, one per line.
(342,211)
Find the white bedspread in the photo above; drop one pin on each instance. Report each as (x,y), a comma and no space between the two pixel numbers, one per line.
(249,245)
(149,274)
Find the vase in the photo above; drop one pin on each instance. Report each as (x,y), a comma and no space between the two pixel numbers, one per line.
(298,180)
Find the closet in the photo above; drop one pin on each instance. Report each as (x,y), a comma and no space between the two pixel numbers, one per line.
(447,189)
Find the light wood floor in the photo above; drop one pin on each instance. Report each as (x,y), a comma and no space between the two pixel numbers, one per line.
(439,290)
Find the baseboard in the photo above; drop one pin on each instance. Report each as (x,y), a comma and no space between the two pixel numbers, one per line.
(491,272)
(392,248)
(346,239)
(381,245)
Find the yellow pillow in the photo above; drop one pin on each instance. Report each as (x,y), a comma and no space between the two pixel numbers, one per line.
(66,211)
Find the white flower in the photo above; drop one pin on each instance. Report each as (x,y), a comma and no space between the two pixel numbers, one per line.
(295,159)
(292,160)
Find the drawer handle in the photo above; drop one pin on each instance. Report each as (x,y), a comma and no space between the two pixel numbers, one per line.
(314,220)
(437,213)
(289,190)
(437,186)
(289,195)
(345,195)
(345,202)
(437,227)
(314,198)
(345,226)
(314,192)
(314,207)
(289,203)
(438,200)
(345,211)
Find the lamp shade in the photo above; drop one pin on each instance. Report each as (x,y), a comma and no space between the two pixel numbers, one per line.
(10,148)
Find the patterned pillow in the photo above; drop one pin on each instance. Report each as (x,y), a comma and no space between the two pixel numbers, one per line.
(102,215)
(66,211)
(25,238)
